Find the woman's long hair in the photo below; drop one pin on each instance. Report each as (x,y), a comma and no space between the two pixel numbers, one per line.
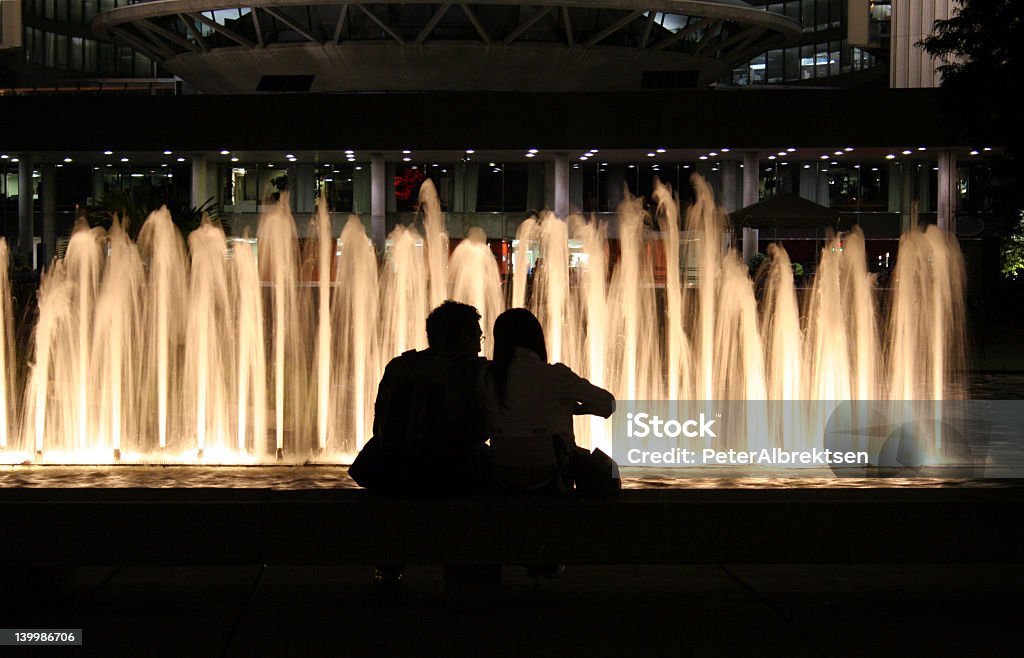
(516,327)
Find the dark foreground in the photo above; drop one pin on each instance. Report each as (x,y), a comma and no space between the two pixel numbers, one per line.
(715,609)
(261,572)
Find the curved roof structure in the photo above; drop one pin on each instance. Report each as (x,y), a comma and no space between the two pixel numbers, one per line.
(547,45)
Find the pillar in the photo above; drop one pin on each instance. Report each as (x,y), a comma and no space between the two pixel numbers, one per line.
(732,190)
(200,189)
(48,191)
(561,184)
(947,191)
(25,206)
(302,186)
(751,176)
(378,199)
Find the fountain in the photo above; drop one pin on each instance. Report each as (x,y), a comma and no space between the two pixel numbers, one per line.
(230,354)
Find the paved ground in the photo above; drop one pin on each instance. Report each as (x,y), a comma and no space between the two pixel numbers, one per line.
(792,610)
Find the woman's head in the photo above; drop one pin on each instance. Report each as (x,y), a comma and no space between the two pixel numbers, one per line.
(514,328)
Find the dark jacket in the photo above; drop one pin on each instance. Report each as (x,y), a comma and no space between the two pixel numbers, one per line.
(428,427)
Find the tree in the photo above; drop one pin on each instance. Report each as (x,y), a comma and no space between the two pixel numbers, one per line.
(981,48)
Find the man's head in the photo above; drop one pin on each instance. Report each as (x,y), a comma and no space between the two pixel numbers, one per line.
(453,328)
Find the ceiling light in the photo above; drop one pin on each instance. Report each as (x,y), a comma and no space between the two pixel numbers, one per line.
(907,152)
(651,154)
(124,159)
(406,159)
(181,159)
(470,151)
(406,152)
(225,152)
(703,157)
(534,151)
(67,159)
(168,152)
(108,153)
(234,159)
(660,150)
(890,157)
(529,155)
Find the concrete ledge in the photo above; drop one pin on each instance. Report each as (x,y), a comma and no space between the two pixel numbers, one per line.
(47,527)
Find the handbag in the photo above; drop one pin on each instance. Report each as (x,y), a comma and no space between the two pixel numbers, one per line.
(594,473)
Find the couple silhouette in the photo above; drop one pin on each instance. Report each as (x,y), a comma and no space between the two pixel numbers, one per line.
(437,409)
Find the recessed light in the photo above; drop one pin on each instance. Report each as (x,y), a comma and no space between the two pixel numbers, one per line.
(824,157)
(703,157)
(407,159)
(108,153)
(660,150)
(724,150)
(838,153)
(974,153)
(534,151)
(790,150)
(987,148)
(529,155)
(124,159)
(907,152)
(168,152)
(848,149)
(470,151)
(713,154)
(771,157)
(921,148)
(406,152)
(181,159)
(234,159)
(890,157)
(651,154)
(349,152)
(225,152)
(67,159)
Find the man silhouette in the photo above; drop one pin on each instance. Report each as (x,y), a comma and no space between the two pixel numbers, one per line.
(428,428)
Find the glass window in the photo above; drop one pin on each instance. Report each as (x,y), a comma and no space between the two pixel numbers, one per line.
(806,62)
(76,54)
(107,61)
(773,66)
(835,13)
(791,64)
(89,54)
(874,187)
(490,190)
(833,57)
(792,9)
(807,15)
(821,14)
(757,70)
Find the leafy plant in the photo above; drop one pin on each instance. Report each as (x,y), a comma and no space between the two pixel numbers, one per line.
(133,207)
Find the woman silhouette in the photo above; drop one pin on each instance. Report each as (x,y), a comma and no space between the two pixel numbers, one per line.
(529,404)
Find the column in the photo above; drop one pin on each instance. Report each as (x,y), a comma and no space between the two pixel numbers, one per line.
(25,206)
(732,190)
(378,199)
(751,175)
(947,192)
(561,184)
(302,186)
(48,191)
(200,189)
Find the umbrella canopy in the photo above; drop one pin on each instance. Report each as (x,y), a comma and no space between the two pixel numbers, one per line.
(788,211)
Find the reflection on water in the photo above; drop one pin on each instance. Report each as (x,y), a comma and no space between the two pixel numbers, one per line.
(336,477)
